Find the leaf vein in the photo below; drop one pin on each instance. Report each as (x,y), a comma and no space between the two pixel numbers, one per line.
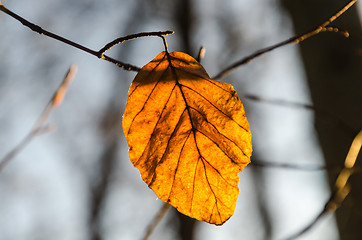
(148,97)
(150,73)
(213,193)
(178,162)
(214,106)
(213,125)
(206,79)
(158,120)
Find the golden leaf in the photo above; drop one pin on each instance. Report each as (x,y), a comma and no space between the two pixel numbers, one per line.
(188,136)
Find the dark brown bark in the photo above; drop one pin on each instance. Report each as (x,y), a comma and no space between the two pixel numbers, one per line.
(333,67)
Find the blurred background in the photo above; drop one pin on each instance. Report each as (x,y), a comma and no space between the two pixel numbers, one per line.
(77,182)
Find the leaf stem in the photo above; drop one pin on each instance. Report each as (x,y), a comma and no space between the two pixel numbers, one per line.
(165,44)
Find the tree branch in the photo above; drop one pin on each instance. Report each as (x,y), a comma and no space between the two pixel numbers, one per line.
(39,126)
(100,53)
(342,187)
(322,114)
(297,39)
(156,220)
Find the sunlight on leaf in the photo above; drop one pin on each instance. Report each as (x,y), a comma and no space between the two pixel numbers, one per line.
(188,136)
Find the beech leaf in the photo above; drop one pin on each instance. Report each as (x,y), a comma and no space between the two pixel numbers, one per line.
(188,136)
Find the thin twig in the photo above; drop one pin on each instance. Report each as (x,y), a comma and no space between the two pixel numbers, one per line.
(297,39)
(156,220)
(39,126)
(100,53)
(320,113)
(268,164)
(341,188)
(301,167)
(309,226)
(131,37)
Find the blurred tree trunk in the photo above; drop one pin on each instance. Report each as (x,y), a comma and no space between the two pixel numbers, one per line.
(183,18)
(334,71)
(110,129)
(109,126)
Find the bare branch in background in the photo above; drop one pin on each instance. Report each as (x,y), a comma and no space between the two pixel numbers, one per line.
(300,167)
(100,54)
(40,127)
(341,189)
(297,39)
(156,220)
(322,114)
